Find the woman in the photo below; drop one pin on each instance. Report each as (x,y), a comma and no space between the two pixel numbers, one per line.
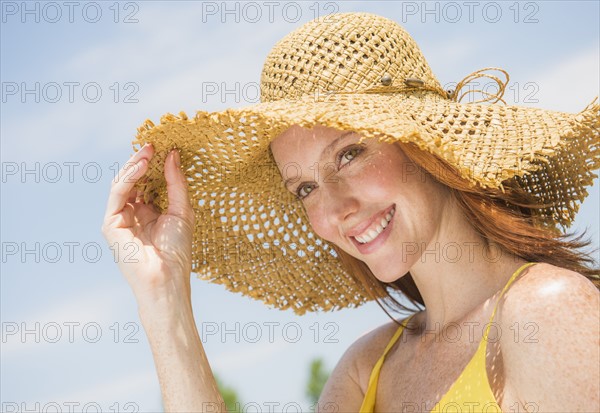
(354,173)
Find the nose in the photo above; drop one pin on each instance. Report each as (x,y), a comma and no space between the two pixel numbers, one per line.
(340,201)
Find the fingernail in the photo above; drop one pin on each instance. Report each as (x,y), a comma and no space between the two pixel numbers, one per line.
(177,157)
(139,150)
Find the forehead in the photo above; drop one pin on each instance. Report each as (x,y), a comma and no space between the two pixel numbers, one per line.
(300,144)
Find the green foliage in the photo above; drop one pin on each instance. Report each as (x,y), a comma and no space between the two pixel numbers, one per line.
(317,379)
(230,397)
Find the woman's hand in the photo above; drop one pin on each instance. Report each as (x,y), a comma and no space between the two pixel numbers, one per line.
(155,255)
(154,250)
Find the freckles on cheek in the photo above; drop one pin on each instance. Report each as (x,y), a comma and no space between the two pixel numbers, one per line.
(376,180)
(318,224)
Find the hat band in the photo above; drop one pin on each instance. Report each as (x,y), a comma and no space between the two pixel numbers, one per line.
(456,95)
(488,97)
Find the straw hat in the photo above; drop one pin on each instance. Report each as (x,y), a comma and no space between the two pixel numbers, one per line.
(361,72)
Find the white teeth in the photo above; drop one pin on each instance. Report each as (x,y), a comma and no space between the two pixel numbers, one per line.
(373,233)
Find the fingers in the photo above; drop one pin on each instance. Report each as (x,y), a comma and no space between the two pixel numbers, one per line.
(177,188)
(124,183)
(133,196)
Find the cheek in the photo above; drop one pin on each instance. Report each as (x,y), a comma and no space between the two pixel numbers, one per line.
(378,177)
(318,223)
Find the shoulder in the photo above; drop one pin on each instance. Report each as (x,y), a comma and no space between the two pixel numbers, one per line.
(348,382)
(549,322)
(367,349)
(363,354)
(544,290)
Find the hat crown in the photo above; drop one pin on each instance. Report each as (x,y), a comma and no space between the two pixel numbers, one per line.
(349,52)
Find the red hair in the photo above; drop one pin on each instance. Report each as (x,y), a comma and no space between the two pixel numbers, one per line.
(508,219)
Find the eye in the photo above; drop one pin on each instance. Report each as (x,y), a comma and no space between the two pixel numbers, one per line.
(303,190)
(348,154)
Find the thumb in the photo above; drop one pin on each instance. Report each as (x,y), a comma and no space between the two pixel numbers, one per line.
(177,188)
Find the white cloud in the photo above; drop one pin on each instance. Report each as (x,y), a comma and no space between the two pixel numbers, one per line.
(167,62)
(246,356)
(570,85)
(127,389)
(87,307)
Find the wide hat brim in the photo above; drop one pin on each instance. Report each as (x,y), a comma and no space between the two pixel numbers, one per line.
(253,236)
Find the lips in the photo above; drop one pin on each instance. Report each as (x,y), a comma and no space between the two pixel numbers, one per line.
(369,230)
(375,229)
(375,243)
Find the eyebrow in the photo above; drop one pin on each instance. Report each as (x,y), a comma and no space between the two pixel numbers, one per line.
(326,151)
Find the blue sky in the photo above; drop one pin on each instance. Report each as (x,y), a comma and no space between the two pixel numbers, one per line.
(163,57)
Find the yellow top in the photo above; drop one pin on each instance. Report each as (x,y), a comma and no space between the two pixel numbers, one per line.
(471,392)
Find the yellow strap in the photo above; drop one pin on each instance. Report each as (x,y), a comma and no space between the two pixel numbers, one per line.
(368,404)
(472,387)
(510,281)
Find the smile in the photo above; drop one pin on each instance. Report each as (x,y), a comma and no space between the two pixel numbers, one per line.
(376,228)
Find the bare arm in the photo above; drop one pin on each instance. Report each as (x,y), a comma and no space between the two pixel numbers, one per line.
(553,364)
(342,392)
(186,379)
(345,389)
(159,276)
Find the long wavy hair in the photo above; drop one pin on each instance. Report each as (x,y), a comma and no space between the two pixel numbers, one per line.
(507,219)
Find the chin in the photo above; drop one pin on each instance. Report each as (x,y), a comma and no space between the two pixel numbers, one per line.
(387,276)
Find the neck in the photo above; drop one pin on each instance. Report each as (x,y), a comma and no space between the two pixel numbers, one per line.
(458,271)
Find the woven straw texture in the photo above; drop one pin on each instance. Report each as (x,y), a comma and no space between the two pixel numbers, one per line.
(349,72)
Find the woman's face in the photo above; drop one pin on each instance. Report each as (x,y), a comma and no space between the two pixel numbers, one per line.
(369,199)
